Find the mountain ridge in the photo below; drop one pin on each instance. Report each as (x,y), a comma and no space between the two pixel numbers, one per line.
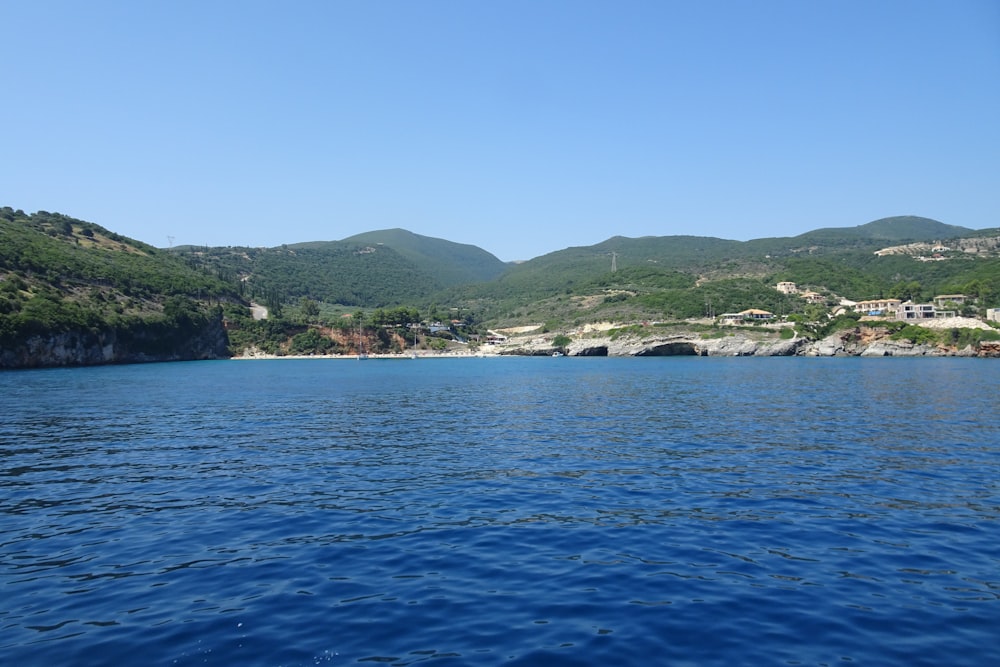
(87,295)
(895,228)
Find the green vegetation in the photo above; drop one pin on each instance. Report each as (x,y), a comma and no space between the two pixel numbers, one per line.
(384,289)
(621,279)
(957,337)
(897,229)
(68,253)
(446,262)
(60,275)
(378,269)
(684,277)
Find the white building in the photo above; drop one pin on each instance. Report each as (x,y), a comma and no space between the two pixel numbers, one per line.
(787,288)
(949,299)
(886,307)
(921,311)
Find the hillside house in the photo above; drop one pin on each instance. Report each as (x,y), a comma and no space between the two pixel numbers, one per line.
(949,300)
(878,307)
(915,311)
(993,314)
(813,297)
(921,311)
(744,316)
(756,315)
(748,315)
(787,288)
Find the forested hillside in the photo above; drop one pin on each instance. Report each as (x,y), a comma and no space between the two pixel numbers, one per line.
(896,229)
(342,273)
(374,270)
(450,263)
(108,297)
(641,278)
(651,277)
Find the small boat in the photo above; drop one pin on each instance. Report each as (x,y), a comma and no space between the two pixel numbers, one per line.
(557,353)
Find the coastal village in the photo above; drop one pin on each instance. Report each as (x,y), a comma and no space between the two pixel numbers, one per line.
(945,311)
(943,307)
(876,315)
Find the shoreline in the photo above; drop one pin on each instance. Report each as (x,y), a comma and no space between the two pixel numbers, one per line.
(415,356)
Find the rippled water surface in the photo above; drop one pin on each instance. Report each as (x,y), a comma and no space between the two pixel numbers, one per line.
(659,511)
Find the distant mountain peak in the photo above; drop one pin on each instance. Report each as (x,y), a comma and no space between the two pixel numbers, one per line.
(452,263)
(905,227)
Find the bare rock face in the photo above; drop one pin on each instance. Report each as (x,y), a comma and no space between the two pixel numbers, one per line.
(989,349)
(738,346)
(674,348)
(853,343)
(684,345)
(74,348)
(731,346)
(91,348)
(858,342)
(590,350)
(831,346)
(652,346)
(893,348)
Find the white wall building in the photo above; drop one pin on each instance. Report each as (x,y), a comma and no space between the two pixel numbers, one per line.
(787,288)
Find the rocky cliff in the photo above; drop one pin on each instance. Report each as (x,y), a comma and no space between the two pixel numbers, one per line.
(114,346)
(861,343)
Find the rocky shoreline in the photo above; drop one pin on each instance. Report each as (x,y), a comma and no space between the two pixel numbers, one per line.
(73,349)
(108,346)
(850,343)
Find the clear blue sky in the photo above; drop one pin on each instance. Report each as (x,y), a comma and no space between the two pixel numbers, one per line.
(521,126)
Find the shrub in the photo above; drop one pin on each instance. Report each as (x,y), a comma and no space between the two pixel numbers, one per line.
(916,335)
(310,341)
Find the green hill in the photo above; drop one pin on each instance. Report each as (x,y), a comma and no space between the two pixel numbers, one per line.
(731,275)
(335,272)
(898,229)
(395,267)
(450,263)
(72,292)
(374,270)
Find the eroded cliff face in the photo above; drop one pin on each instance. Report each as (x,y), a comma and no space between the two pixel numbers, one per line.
(878,343)
(111,346)
(851,343)
(684,345)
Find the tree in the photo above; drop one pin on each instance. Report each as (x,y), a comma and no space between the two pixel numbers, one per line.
(905,290)
(310,341)
(310,309)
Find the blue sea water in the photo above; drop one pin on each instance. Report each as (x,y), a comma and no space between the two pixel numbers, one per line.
(654,511)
